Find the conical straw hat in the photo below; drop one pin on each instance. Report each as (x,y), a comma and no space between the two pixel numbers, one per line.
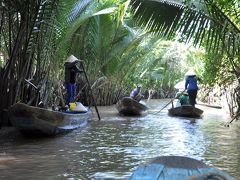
(180,85)
(71,59)
(190,73)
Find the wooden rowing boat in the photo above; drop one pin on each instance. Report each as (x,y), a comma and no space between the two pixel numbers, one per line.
(177,168)
(130,107)
(185,111)
(35,120)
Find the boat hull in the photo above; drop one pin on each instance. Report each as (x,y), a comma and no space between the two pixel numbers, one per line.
(34,120)
(185,111)
(177,167)
(130,107)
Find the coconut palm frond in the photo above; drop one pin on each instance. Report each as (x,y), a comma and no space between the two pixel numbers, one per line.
(225,30)
(79,7)
(202,24)
(157,16)
(96,37)
(231,9)
(28,36)
(116,59)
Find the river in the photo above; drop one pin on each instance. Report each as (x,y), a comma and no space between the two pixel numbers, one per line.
(113,147)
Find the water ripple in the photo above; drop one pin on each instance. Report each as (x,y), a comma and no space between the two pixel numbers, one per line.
(113,147)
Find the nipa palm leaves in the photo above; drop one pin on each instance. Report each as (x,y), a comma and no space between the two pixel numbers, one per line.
(201,23)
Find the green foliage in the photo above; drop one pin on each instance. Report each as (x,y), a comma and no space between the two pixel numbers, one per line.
(212,67)
(105,35)
(102,34)
(198,22)
(165,64)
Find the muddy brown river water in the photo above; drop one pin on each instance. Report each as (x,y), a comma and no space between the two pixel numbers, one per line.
(113,147)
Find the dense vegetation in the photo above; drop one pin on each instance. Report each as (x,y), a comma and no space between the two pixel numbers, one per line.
(122,43)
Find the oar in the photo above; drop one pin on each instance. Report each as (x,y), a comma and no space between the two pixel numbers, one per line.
(169,103)
(164,106)
(82,66)
(79,92)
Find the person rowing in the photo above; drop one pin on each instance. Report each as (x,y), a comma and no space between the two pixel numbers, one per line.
(71,70)
(136,93)
(191,86)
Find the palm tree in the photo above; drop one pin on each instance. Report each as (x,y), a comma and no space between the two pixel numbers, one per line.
(107,44)
(28,31)
(202,22)
(213,24)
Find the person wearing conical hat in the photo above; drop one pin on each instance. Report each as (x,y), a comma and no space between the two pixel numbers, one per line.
(71,70)
(191,86)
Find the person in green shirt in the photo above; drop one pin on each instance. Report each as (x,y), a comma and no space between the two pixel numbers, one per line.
(183,98)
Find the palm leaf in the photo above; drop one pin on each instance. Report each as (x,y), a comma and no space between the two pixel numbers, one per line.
(79,7)
(194,22)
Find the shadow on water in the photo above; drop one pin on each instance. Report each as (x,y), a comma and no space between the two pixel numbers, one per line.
(113,147)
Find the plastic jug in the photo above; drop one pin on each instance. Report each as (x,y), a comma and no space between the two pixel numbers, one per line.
(72,106)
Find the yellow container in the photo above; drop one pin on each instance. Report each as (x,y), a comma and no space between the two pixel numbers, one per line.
(72,106)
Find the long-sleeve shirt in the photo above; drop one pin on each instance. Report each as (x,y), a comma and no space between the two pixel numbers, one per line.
(135,92)
(71,71)
(191,83)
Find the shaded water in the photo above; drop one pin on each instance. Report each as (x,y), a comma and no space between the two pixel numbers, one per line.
(113,147)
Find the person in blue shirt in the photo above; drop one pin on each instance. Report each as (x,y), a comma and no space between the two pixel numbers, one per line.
(191,85)
(136,93)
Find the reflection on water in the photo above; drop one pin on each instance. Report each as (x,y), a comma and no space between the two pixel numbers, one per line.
(113,147)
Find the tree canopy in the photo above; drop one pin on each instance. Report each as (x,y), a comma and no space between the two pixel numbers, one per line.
(121,43)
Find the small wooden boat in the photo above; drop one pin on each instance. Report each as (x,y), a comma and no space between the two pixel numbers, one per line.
(185,111)
(35,120)
(177,168)
(130,107)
